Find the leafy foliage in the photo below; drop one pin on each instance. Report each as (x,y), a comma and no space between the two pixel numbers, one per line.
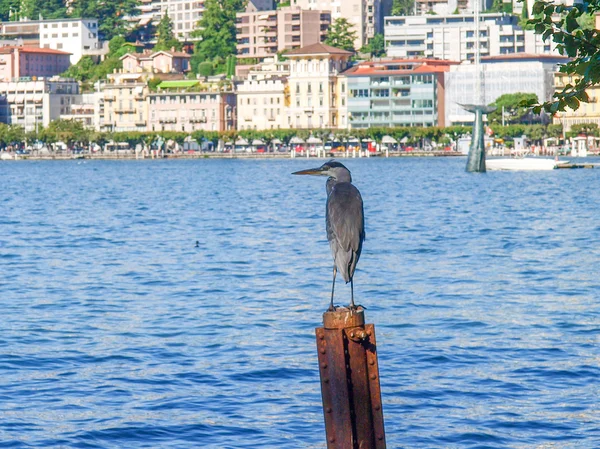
(403,7)
(563,25)
(166,40)
(341,35)
(216,31)
(376,46)
(88,72)
(515,108)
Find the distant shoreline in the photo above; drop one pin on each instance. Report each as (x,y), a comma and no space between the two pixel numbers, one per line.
(215,155)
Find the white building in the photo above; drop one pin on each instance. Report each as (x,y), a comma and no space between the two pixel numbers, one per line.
(262,98)
(452,37)
(501,75)
(33,104)
(76,36)
(365,15)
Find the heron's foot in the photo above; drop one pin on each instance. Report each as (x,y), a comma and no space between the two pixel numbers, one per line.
(332,308)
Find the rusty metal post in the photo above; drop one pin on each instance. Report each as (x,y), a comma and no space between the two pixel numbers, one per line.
(350,381)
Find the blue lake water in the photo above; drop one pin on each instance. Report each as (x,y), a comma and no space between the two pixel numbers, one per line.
(117,332)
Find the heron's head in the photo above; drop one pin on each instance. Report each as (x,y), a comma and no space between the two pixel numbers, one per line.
(331,169)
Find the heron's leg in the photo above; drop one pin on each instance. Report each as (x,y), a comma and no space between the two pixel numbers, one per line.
(352,305)
(331,307)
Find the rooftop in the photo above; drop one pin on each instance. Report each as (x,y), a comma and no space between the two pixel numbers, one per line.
(400,66)
(37,50)
(318,49)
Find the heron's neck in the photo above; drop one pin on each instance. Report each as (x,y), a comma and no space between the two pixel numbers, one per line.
(331,181)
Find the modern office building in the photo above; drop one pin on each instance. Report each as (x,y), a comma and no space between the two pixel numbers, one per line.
(452,37)
(402,92)
(263,96)
(501,75)
(317,91)
(262,34)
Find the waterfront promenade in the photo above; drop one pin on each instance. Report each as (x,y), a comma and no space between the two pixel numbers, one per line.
(6,156)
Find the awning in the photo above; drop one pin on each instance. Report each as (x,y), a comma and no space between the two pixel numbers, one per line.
(20,99)
(388,139)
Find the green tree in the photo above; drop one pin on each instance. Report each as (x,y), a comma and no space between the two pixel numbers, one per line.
(563,25)
(376,46)
(403,7)
(515,108)
(216,31)
(110,13)
(166,40)
(341,35)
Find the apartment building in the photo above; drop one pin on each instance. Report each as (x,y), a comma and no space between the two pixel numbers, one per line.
(452,37)
(365,15)
(17,62)
(189,105)
(263,96)
(317,91)
(123,103)
(262,34)
(504,74)
(401,92)
(446,7)
(35,103)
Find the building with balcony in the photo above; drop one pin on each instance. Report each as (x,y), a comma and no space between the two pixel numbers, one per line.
(263,96)
(506,74)
(262,34)
(33,104)
(17,62)
(403,92)
(452,37)
(123,102)
(189,105)
(156,62)
(364,15)
(317,91)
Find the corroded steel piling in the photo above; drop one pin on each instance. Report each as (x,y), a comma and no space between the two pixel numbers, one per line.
(350,381)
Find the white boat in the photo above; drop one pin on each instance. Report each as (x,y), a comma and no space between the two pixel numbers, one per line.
(524,163)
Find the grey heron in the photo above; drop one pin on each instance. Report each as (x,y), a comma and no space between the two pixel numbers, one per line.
(345,221)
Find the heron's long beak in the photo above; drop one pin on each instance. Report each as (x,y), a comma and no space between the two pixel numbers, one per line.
(310,171)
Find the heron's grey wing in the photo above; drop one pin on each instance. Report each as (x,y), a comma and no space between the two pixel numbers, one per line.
(345,227)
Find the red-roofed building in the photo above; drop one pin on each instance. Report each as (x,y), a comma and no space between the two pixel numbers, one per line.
(398,92)
(19,62)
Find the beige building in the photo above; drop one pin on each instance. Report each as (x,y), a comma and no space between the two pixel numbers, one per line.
(124,106)
(189,105)
(317,91)
(156,62)
(261,34)
(364,15)
(262,98)
(586,113)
